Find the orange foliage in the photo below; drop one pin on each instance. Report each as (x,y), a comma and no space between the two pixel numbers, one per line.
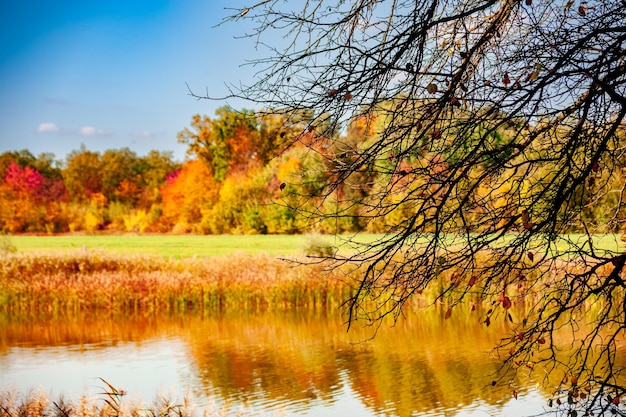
(192,190)
(128,191)
(242,147)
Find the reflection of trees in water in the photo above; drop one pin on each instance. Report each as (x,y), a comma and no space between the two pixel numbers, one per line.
(422,364)
(96,330)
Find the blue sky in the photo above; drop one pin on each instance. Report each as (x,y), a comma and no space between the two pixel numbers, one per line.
(112,74)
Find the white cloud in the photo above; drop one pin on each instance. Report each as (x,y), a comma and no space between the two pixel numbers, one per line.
(92,131)
(143,134)
(48,128)
(83,131)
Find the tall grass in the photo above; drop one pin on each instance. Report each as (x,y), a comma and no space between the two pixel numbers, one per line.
(67,283)
(60,283)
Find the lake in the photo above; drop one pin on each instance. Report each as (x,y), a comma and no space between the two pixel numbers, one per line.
(266,364)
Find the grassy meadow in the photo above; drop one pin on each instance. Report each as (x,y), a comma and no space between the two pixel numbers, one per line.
(199,246)
(177,246)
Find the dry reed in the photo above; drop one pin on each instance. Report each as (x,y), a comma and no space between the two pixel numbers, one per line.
(57,284)
(109,403)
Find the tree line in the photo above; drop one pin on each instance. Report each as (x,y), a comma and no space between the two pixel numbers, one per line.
(257,173)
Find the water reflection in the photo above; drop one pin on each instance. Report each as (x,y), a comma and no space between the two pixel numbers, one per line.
(295,364)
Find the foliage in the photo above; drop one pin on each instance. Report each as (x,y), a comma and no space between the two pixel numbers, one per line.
(185,196)
(234,142)
(39,194)
(316,246)
(496,129)
(20,198)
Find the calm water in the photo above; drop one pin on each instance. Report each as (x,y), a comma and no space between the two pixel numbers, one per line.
(272,365)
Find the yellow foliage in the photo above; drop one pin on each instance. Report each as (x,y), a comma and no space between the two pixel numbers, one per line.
(92,221)
(289,167)
(98,200)
(136,221)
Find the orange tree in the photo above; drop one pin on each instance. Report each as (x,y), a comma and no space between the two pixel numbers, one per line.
(187,193)
(499,131)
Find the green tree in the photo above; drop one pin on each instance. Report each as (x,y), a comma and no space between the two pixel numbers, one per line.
(496,119)
(154,169)
(82,174)
(236,141)
(120,175)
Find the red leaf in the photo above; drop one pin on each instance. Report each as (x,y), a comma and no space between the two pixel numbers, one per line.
(529,2)
(448,314)
(581,10)
(506,303)
(506,80)
(487,321)
(595,166)
(471,281)
(616,400)
(515,394)
(531,256)
(541,341)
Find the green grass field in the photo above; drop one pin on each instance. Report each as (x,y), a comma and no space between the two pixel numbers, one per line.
(177,246)
(183,246)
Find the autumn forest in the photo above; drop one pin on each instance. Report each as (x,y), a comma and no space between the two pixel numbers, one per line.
(246,173)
